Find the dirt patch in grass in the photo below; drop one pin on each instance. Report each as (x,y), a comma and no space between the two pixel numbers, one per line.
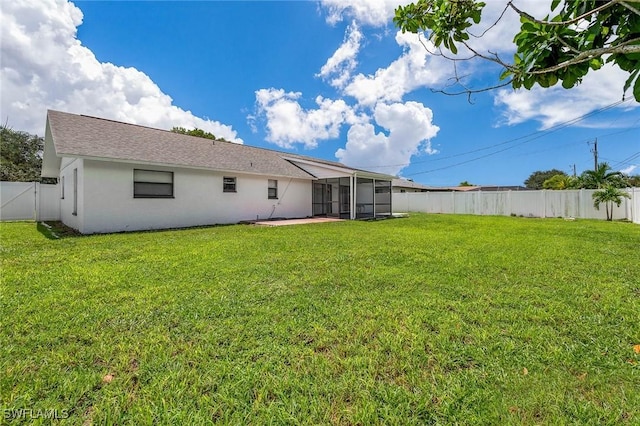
(55,230)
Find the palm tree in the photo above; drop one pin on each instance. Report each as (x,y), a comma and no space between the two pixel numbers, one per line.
(602,177)
(561,182)
(608,195)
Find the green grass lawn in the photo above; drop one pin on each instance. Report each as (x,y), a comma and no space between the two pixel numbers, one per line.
(433,319)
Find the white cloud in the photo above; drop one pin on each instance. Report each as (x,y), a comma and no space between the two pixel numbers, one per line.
(369,12)
(379,13)
(556,105)
(410,128)
(380,95)
(288,123)
(417,68)
(629,170)
(44,66)
(343,61)
(414,69)
(500,38)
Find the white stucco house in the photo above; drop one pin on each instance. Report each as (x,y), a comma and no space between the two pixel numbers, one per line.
(115,176)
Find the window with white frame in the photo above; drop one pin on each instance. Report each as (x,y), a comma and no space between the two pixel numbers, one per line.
(273,189)
(152,184)
(228,184)
(62,187)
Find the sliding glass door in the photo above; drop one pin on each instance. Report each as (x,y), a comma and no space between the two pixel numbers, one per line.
(331,197)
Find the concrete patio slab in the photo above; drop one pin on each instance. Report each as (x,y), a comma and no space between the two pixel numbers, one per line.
(305,221)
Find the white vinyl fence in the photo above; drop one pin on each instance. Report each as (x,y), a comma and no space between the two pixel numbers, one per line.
(29,201)
(569,203)
(635,205)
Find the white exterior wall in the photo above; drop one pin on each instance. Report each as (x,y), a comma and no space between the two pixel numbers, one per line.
(108,204)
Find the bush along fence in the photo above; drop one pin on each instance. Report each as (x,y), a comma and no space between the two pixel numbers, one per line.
(546,203)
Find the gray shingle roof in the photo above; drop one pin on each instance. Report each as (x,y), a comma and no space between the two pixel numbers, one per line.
(90,137)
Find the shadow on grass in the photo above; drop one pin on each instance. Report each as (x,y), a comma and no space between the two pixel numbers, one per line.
(55,230)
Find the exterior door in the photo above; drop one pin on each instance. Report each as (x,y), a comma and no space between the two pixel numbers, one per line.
(345,204)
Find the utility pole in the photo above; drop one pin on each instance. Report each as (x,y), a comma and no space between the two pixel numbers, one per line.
(574,169)
(595,154)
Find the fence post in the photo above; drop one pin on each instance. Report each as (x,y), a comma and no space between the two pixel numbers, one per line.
(453,195)
(581,200)
(36,204)
(635,203)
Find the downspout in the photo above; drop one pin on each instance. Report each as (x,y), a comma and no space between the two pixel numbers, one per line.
(390,199)
(373,188)
(59,199)
(273,210)
(36,205)
(353,198)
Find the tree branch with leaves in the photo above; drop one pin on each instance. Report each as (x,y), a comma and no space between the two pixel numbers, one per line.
(578,36)
(20,156)
(197,132)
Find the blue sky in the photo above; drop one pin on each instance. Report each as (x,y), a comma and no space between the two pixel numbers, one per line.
(331,79)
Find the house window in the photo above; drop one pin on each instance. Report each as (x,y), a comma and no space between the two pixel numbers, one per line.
(62,187)
(152,184)
(228,184)
(273,189)
(75,192)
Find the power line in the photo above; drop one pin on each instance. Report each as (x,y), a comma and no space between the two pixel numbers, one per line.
(532,137)
(535,135)
(627,160)
(575,142)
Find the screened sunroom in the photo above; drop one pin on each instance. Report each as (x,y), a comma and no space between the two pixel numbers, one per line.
(339,197)
(342,192)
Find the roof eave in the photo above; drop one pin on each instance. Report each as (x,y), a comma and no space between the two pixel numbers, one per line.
(50,159)
(183,166)
(340,169)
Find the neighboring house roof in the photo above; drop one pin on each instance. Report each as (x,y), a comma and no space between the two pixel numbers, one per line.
(405,183)
(493,188)
(464,188)
(73,135)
